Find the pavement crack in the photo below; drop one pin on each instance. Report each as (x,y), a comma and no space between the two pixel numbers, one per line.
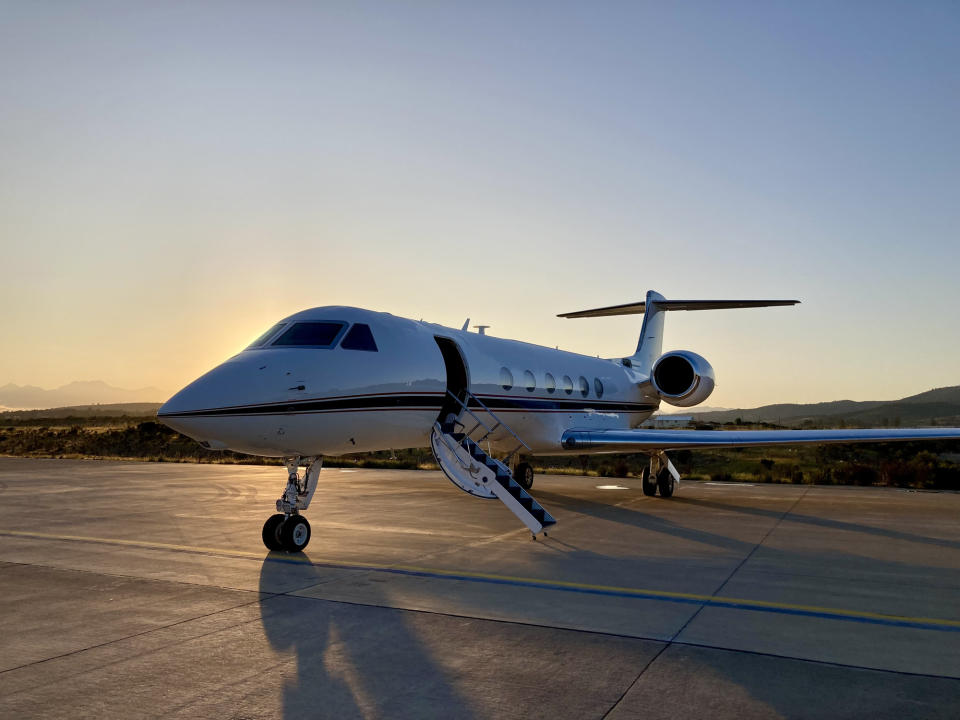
(743,562)
(142,634)
(694,615)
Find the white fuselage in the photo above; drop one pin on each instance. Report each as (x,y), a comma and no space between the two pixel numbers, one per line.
(284,401)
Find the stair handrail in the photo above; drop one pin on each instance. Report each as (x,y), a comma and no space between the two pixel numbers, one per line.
(490,412)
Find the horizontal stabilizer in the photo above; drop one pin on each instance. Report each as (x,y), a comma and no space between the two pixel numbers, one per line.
(638,308)
(640,440)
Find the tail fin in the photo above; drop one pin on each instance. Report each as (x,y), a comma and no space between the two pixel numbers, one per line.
(650,343)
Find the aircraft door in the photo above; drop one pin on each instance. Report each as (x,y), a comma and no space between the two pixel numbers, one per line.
(457,382)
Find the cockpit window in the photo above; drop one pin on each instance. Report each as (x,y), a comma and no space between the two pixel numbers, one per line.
(266,336)
(359,338)
(310,334)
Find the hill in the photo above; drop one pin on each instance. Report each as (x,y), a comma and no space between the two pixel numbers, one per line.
(115,410)
(937,406)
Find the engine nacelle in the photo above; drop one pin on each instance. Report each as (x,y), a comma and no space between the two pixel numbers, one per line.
(682,378)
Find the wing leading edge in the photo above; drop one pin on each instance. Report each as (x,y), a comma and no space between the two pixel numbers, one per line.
(614,441)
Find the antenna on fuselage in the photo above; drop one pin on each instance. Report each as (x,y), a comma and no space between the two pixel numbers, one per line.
(466,324)
(481,329)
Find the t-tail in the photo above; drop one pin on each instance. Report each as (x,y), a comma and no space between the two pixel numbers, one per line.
(681,377)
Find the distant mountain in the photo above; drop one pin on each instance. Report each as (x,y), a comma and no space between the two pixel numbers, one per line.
(939,405)
(21,397)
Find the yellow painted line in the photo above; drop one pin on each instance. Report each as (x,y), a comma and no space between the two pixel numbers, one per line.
(610,590)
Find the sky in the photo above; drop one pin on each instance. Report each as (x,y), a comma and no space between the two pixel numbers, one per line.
(177,176)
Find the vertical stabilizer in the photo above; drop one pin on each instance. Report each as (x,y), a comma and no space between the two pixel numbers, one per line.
(650,344)
(651,334)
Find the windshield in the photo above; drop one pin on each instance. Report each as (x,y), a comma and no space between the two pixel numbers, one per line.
(266,336)
(310,334)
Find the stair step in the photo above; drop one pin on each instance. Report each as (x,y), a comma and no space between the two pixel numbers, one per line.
(516,498)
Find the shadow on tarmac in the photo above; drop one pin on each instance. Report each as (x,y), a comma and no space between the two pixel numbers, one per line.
(821,522)
(639,519)
(349,660)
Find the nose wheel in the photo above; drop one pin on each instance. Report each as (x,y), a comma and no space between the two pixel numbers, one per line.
(286,533)
(288,529)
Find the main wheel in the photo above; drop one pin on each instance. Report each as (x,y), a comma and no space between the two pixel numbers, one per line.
(295,533)
(271,532)
(647,483)
(524,475)
(665,483)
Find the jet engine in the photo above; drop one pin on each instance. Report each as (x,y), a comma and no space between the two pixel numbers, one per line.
(682,378)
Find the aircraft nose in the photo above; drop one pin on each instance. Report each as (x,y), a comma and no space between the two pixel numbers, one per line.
(181,402)
(179,412)
(227,384)
(189,411)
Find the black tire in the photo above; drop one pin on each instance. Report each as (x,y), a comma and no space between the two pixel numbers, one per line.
(665,483)
(648,484)
(524,475)
(295,533)
(271,532)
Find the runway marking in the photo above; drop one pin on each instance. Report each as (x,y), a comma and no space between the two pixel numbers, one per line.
(827,613)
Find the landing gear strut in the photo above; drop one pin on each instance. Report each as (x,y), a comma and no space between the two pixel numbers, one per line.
(288,529)
(661,476)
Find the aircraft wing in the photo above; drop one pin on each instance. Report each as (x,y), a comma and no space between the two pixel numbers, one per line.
(618,441)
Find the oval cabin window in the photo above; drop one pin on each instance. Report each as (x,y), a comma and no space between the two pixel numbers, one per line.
(549,383)
(598,387)
(529,381)
(584,386)
(506,379)
(567,384)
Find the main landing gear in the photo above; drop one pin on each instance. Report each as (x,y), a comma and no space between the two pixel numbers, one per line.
(659,476)
(523,474)
(288,529)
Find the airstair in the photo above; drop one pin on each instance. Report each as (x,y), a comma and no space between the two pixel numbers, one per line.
(476,471)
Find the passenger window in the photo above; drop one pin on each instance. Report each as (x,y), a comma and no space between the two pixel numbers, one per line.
(266,336)
(506,379)
(359,338)
(529,381)
(584,386)
(310,334)
(598,387)
(567,384)
(549,383)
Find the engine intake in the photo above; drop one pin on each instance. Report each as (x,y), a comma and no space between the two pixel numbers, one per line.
(682,378)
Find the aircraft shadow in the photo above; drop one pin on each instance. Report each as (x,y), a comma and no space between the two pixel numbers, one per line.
(349,660)
(639,519)
(821,522)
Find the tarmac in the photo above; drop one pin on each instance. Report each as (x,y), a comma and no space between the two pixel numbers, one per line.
(142,590)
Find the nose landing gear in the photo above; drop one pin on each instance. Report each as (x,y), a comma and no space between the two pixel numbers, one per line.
(288,529)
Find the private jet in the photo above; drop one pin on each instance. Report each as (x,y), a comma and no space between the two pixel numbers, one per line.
(332,381)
